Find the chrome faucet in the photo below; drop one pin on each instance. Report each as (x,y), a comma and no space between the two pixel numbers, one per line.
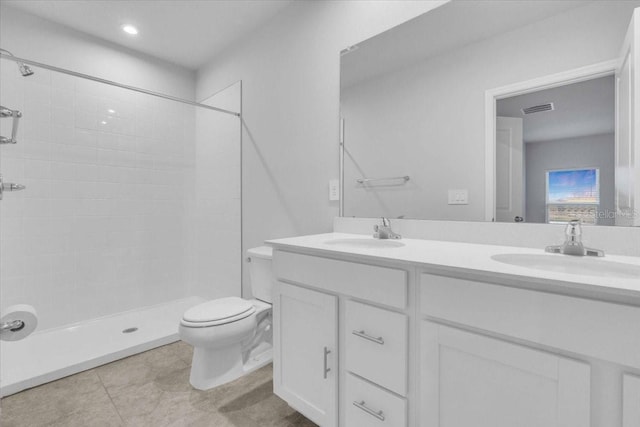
(573,242)
(384,231)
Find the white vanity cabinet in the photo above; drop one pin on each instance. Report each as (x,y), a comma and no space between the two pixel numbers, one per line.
(495,354)
(305,349)
(631,401)
(469,379)
(365,405)
(376,342)
(421,345)
(372,341)
(375,351)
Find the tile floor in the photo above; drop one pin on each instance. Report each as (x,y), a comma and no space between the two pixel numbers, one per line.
(150,389)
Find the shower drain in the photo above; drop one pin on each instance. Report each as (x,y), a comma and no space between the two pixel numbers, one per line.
(129,330)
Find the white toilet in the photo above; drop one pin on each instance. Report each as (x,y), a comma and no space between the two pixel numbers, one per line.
(232,336)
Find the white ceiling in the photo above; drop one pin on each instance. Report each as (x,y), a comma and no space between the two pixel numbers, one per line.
(581,109)
(186,32)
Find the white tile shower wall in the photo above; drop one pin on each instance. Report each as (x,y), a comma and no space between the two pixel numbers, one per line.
(613,240)
(216,224)
(101,226)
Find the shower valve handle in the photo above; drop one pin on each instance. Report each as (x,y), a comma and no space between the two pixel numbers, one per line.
(9,186)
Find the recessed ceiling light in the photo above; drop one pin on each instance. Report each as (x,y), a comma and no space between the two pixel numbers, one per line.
(130,29)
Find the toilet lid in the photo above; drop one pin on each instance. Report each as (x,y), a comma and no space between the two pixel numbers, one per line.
(218,309)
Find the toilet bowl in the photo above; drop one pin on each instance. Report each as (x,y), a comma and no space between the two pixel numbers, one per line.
(231,336)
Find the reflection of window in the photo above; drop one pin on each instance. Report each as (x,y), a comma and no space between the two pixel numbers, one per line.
(573,194)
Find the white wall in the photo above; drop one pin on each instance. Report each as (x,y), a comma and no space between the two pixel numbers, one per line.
(30,37)
(290,74)
(594,151)
(427,121)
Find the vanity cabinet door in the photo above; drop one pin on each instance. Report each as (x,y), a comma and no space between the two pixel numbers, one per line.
(468,379)
(305,351)
(630,401)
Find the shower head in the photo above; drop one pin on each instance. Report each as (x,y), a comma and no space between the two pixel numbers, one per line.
(25,70)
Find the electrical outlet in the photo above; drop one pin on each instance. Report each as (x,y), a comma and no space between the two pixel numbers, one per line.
(458,197)
(334,189)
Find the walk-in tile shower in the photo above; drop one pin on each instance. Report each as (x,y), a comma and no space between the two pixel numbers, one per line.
(129,213)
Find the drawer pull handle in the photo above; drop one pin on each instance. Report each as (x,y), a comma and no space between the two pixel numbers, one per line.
(362,334)
(378,414)
(326,369)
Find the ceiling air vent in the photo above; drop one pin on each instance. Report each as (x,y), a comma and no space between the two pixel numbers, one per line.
(538,108)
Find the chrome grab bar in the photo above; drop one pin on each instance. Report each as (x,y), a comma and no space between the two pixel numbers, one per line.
(15,114)
(9,186)
(326,369)
(361,405)
(14,325)
(369,180)
(362,334)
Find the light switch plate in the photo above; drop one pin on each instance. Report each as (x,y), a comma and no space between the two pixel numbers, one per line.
(458,197)
(334,189)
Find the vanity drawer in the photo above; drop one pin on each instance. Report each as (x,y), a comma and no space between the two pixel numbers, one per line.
(599,329)
(367,405)
(376,345)
(382,285)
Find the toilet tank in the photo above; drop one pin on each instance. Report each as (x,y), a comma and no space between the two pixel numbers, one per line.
(260,273)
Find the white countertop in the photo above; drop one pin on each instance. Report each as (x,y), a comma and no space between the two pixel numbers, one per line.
(468,258)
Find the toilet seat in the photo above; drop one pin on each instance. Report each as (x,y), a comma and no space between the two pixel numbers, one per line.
(218,312)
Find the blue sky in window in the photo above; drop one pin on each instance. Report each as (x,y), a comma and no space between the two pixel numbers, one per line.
(573,186)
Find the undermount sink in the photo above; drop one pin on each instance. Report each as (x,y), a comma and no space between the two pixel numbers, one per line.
(365,243)
(585,266)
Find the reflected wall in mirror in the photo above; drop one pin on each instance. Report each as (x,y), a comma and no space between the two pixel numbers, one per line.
(415,103)
(555,154)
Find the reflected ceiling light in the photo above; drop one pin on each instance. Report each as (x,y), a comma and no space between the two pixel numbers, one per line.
(130,29)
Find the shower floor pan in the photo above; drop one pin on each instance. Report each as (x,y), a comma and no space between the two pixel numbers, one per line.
(56,353)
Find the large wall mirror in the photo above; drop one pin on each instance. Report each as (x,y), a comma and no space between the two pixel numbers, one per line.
(495,111)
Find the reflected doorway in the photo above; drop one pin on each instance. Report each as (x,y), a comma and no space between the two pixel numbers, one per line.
(555,154)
